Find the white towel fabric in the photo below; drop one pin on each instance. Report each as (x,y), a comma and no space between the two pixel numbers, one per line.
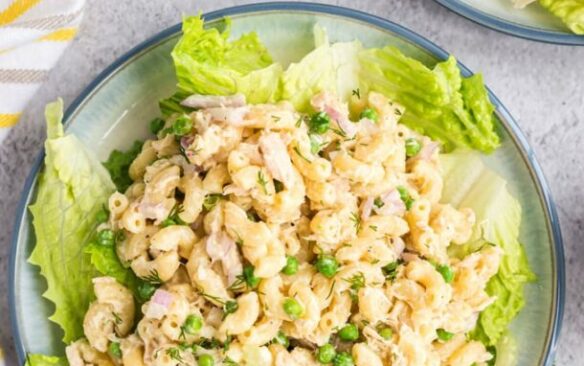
(33,35)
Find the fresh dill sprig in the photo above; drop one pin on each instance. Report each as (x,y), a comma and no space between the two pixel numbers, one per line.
(262,181)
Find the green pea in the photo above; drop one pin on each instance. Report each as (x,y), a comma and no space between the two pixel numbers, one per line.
(349,333)
(292,308)
(326,353)
(319,123)
(192,324)
(182,125)
(385,332)
(281,339)
(405,197)
(206,360)
(327,265)
(145,291)
(156,125)
(249,277)
(230,307)
(291,266)
(446,272)
(369,113)
(444,335)
(343,359)
(106,238)
(115,350)
(413,147)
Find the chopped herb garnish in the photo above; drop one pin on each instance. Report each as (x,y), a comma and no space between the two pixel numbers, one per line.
(152,278)
(262,181)
(331,290)
(117,319)
(357,282)
(356,221)
(339,132)
(211,201)
(297,151)
(357,93)
(174,353)
(378,202)
(230,307)
(390,270)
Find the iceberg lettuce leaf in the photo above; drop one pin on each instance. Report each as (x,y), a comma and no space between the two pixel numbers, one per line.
(71,191)
(42,360)
(571,12)
(439,102)
(328,67)
(118,164)
(106,261)
(206,62)
(469,183)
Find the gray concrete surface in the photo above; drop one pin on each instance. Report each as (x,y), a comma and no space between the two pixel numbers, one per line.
(542,85)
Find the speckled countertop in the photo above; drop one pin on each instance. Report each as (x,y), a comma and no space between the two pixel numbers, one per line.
(542,85)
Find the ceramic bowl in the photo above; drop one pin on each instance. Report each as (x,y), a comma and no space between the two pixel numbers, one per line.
(115,108)
(533,22)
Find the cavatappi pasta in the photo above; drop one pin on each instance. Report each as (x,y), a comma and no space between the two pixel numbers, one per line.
(277,238)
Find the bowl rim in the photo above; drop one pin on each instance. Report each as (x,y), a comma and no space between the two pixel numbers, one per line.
(505,117)
(510,28)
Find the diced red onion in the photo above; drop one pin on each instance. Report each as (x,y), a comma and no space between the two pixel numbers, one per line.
(398,246)
(159,304)
(348,127)
(427,151)
(186,141)
(366,208)
(392,204)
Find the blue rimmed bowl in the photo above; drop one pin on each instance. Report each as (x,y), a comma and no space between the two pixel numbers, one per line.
(114,109)
(533,22)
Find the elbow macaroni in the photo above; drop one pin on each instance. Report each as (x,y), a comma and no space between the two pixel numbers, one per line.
(213,221)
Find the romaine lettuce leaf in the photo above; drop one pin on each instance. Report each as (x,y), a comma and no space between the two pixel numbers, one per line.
(106,261)
(469,183)
(571,12)
(118,164)
(328,67)
(42,360)
(71,191)
(171,105)
(206,62)
(439,102)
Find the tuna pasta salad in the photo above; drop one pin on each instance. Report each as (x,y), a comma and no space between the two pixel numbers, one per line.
(319,213)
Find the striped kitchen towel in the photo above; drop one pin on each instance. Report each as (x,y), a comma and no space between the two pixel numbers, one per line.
(33,35)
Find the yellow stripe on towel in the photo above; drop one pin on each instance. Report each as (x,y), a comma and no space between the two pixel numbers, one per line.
(7,120)
(15,10)
(63,34)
